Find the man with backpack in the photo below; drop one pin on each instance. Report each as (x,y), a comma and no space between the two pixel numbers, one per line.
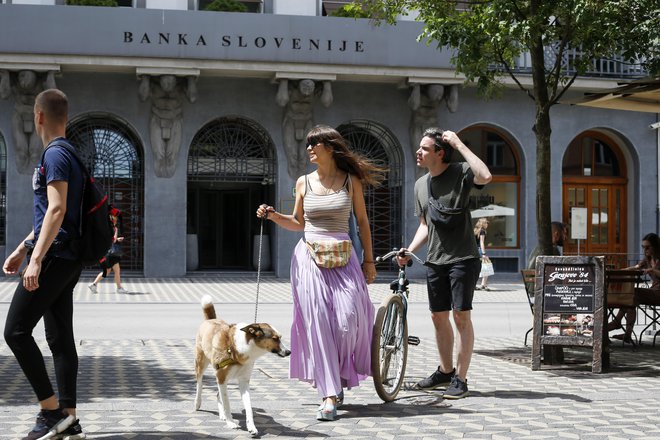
(52,271)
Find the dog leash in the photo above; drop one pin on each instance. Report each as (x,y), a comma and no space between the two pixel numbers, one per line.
(261,237)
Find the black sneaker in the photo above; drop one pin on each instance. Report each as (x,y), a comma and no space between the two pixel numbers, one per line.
(457,389)
(435,380)
(49,424)
(73,432)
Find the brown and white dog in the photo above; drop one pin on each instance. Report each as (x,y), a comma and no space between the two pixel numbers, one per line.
(232,350)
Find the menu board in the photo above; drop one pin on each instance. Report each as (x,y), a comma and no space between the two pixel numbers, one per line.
(568,300)
(569,309)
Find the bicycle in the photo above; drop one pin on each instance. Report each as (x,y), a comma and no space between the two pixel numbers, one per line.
(389,346)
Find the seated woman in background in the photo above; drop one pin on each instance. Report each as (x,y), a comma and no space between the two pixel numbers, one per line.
(650,265)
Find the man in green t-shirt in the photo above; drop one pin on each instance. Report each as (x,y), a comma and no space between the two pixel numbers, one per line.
(558,238)
(453,259)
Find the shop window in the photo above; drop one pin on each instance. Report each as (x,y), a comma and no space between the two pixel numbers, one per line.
(499,200)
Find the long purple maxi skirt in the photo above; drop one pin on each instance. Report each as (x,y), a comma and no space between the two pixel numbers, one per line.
(332,321)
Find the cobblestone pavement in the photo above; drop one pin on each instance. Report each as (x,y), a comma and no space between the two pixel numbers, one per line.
(144,389)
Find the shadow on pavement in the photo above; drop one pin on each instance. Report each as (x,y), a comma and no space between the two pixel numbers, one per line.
(106,377)
(151,435)
(529,395)
(644,361)
(265,424)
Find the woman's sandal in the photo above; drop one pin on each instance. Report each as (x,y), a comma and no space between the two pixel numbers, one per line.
(327,412)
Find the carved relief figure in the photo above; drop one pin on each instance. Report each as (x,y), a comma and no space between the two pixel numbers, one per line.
(425,102)
(24,86)
(298,100)
(165,126)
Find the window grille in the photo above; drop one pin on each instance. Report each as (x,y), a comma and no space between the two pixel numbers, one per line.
(383,203)
(113,154)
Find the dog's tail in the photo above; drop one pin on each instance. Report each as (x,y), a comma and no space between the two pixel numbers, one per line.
(207,307)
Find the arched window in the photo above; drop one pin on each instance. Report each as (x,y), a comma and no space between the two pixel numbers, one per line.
(112,153)
(383,203)
(589,155)
(231,149)
(3,192)
(499,200)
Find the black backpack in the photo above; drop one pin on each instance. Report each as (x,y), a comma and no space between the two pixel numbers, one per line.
(96,231)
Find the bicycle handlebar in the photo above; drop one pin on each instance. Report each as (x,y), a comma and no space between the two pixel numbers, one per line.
(395,252)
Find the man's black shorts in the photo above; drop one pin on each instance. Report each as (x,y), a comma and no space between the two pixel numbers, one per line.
(451,286)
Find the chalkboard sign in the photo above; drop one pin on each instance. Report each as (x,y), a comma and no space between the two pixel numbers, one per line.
(568,300)
(569,306)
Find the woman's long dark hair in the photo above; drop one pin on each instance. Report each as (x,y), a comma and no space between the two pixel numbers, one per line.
(654,241)
(346,160)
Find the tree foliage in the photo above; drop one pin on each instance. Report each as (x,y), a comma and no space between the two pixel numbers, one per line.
(490,34)
(226,6)
(562,38)
(351,10)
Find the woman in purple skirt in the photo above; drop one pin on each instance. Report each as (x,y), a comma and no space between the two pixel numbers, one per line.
(332,313)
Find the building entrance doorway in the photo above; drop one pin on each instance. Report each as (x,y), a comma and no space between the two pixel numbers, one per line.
(606,220)
(595,178)
(222,218)
(231,170)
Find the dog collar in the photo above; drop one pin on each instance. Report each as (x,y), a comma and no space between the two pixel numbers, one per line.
(228,361)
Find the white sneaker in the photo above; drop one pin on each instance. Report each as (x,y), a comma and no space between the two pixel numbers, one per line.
(92,287)
(121,290)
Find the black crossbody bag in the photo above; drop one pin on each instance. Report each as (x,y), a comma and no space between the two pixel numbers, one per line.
(443,216)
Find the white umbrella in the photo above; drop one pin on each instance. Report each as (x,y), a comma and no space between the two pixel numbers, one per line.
(492,211)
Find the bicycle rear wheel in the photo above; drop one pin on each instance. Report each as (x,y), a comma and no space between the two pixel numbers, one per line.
(389,348)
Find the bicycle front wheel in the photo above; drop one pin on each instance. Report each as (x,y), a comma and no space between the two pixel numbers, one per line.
(389,348)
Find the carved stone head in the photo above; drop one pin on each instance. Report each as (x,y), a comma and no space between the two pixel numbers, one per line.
(27,79)
(306,87)
(168,82)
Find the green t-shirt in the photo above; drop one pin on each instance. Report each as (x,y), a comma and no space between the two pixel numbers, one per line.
(456,244)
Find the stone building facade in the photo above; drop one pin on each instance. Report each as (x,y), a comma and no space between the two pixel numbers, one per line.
(192,118)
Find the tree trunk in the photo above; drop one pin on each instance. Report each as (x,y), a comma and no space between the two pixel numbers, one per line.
(542,130)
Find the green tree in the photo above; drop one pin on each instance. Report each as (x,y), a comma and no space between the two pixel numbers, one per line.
(489,35)
(91,2)
(351,10)
(226,6)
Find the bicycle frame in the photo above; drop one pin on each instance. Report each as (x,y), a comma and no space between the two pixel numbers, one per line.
(390,339)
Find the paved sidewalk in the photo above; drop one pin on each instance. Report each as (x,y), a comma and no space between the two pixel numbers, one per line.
(242,289)
(143,389)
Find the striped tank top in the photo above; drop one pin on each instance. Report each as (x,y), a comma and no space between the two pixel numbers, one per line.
(328,212)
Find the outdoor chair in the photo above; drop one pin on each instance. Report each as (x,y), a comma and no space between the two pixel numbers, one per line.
(529,279)
(621,291)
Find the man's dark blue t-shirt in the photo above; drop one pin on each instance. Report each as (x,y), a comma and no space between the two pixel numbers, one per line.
(59,165)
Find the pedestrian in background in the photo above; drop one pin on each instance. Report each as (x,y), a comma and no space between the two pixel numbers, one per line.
(53,270)
(111,260)
(453,264)
(480,238)
(332,314)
